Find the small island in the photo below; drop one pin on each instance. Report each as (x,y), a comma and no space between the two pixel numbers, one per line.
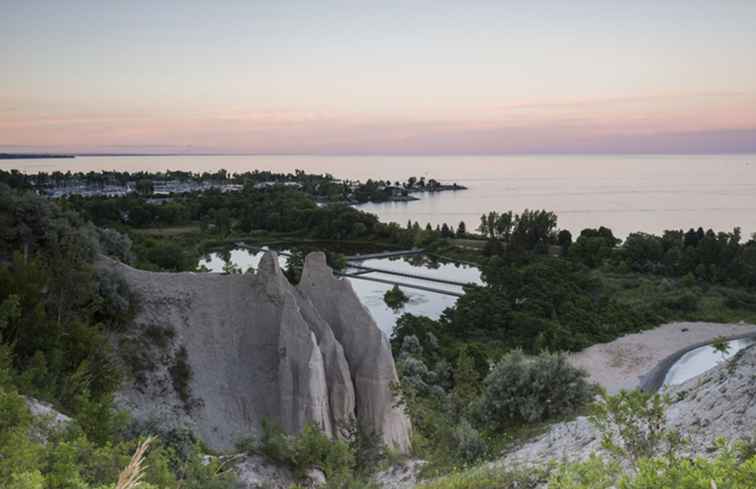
(395,298)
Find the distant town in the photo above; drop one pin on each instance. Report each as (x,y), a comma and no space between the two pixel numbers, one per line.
(161,186)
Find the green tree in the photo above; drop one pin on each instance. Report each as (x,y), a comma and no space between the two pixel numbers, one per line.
(144,187)
(503,226)
(461,229)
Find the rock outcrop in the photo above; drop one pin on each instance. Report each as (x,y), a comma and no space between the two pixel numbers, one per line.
(218,354)
(256,472)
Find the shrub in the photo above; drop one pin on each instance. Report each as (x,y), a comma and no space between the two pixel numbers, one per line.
(594,472)
(314,449)
(633,424)
(340,460)
(294,266)
(740,299)
(470,446)
(487,478)
(682,302)
(531,388)
(366,446)
(730,469)
(159,336)
(181,375)
(273,443)
(114,295)
(169,256)
(115,244)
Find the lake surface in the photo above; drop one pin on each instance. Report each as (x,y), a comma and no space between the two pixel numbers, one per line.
(647,193)
(698,361)
(420,303)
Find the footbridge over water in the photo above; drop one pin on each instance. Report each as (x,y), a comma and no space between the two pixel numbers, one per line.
(386,254)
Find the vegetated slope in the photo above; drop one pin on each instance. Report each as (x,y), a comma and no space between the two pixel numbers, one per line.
(719,403)
(221,353)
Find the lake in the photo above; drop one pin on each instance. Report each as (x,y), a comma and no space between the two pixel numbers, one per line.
(627,193)
(421,303)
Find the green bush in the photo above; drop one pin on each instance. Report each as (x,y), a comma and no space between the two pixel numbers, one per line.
(470,446)
(181,375)
(115,244)
(523,388)
(159,336)
(345,462)
(115,298)
(312,448)
(633,424)
(728,470)
(488,478)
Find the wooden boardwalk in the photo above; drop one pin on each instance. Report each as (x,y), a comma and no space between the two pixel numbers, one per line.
(387,254)
(402,284)
(425,278)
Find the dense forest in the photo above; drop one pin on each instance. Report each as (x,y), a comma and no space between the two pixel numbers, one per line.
(467,375)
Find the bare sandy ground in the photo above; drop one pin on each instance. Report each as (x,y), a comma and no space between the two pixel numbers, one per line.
(620,363)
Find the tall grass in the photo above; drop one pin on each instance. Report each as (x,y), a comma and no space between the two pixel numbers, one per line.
(131,476)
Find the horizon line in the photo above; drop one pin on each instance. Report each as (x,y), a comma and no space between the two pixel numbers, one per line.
(43,154)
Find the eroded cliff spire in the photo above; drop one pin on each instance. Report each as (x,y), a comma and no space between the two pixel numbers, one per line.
(259,348)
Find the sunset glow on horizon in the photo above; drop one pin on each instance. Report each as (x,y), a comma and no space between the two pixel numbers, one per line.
(419,77)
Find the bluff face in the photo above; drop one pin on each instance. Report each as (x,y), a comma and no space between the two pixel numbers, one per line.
(220,353)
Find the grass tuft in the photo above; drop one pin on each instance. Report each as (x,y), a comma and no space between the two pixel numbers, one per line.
(131,476)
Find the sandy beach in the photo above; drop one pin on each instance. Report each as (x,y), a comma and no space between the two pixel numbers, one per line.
(621,363)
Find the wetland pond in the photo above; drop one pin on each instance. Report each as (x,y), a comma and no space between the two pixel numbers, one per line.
(421,302)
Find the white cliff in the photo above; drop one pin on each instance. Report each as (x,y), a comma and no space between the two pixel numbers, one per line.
(367,350)
(256,347)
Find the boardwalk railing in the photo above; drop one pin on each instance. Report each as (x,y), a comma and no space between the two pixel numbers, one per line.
(387,254)
(363,270)
(401,284)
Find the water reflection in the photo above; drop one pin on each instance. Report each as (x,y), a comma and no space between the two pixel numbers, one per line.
(371,294)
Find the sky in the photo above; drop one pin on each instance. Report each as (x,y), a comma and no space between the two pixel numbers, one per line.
(378,77)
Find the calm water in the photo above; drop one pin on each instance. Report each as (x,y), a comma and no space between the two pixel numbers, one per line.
(371,293)
(626,193)
(700,360)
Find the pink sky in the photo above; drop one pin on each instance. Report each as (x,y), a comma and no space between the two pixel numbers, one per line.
(406,78)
